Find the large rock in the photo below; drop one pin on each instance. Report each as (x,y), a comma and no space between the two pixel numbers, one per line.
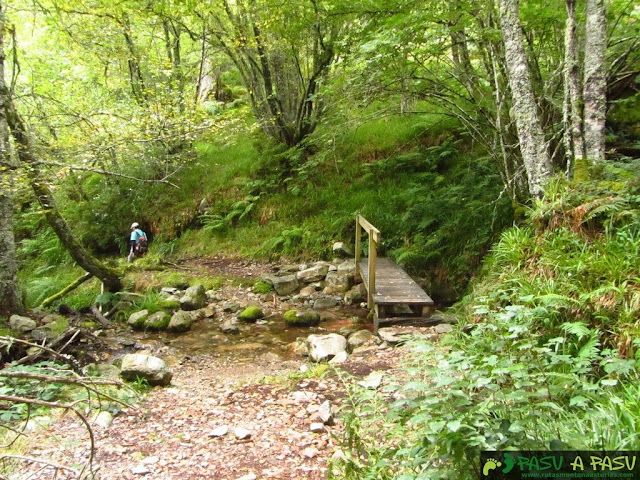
(341,249)
(194,298)
(357,294)
(180,321)
(285,285)
(313,274)
(136,319)
(337,282)
(21,324)
(324,347)
(153,369)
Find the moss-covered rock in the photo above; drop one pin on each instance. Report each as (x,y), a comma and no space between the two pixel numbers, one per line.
(180,322)
(158,321)
(136,319)
(301,319)
(169,304)
(262,287)
(251,314)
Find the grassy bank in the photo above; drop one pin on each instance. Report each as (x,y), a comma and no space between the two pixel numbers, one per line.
(437,203)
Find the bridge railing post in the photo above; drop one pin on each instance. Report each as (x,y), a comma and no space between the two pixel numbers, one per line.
(374,240)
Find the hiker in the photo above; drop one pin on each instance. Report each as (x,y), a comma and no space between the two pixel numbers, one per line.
(137,241)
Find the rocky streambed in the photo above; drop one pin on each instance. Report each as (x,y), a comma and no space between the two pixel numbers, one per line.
(245,396)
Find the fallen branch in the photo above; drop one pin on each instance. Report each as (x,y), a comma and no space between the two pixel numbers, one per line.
(44,462)
(90,384)
(101,318)
(64,406)
(72,286)
(42,349)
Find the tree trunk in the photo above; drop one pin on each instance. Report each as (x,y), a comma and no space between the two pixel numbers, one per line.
(595,80)
(10,297)
(108,276)
(136,79)
(532,141)
(572,108)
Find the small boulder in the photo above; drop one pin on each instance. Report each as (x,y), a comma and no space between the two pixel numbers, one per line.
(285,285)
(307,292)
(313,274)
(51,318)
(347,267)
(392,335)
(21,324)
(324,347)
(443,328)
(337,282)
(194,298)
(324,302)
(154,369)
(229,325)
(341,249)
(180,321)
(157,321)
(357,294)
(251,314)
(359,338)
(301,319)
(136,319)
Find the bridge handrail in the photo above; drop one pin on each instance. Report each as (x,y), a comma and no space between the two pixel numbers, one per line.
(374,240)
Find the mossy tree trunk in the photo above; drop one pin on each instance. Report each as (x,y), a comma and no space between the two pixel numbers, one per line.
(595,80)
(533,146)
(24,151)
(43,193)
(10,298)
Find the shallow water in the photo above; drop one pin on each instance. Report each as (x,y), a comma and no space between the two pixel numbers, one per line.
(254,339)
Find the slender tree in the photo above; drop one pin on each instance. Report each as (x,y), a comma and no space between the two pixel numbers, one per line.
(10,297)
(533,146)
(283,56)
(25,153)
(572,106)
(595,80)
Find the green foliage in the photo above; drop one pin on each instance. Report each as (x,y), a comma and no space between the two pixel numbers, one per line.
(545,352)
(240,210)
(141,385)
(30,388)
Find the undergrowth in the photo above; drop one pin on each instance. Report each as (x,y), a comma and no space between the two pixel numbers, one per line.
(545,356)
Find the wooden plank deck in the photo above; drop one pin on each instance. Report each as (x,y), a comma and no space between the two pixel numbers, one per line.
(394,287)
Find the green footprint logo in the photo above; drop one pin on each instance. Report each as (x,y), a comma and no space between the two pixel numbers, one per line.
(491,464)
(509,461)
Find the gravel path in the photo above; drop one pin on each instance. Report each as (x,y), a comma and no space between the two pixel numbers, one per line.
(178,432)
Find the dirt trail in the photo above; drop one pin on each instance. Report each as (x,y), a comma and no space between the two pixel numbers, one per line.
(227,415)
(173,435)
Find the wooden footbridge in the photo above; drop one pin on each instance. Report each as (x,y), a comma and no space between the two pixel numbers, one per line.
(391,293)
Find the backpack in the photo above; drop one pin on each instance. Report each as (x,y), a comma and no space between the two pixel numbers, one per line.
(142,245)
